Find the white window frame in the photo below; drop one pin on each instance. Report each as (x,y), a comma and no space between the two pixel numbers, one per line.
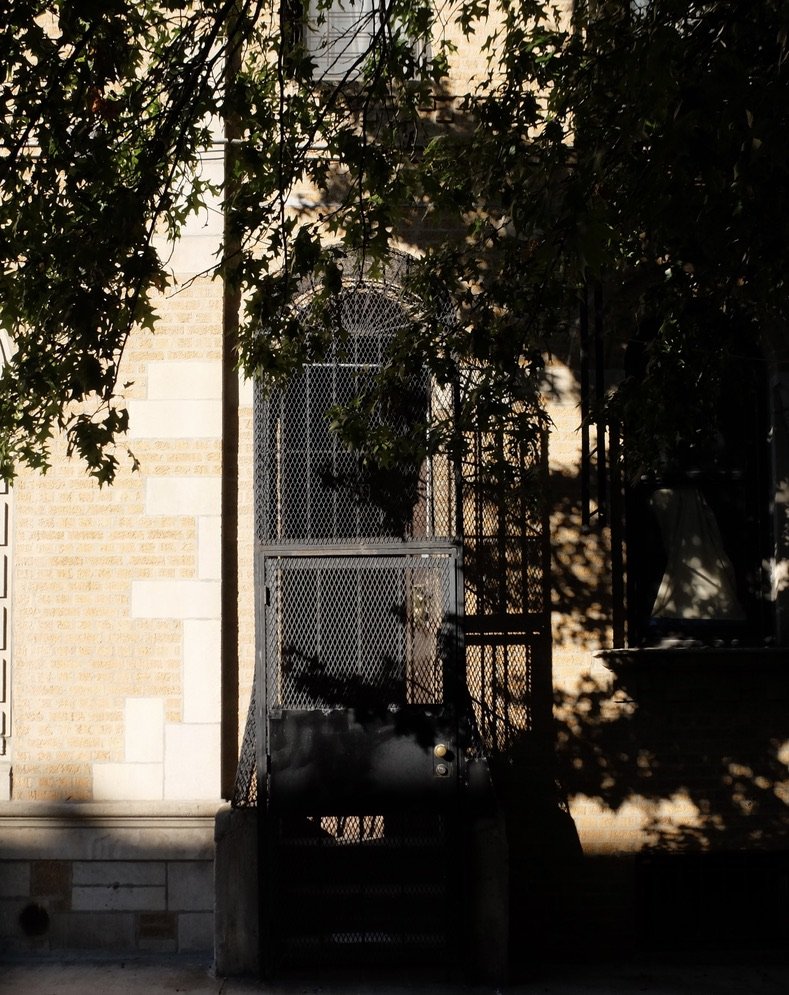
(339,36)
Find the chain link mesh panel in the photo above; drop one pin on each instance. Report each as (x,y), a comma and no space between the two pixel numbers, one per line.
(359,630)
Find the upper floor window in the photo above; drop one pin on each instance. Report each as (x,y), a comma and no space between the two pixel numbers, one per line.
(698,529)
(338,34)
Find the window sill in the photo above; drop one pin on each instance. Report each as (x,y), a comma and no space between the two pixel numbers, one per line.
(689,655)
(710,673)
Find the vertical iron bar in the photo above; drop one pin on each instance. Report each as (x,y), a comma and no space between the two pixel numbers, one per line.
(458,463)
(540,658)
(231,304)
(429,483)
(617,538)
(599,391)
(585,481)
(479,521)
(502,501)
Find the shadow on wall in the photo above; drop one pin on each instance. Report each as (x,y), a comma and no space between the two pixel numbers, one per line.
(580,570)
(676,767)
(443,116)
(709,725)
(695,746)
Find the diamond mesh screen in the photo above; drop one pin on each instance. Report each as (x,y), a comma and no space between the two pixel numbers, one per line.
(350,630)
(245,789)
(311,488)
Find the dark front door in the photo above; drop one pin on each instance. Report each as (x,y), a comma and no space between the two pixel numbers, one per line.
(361,652)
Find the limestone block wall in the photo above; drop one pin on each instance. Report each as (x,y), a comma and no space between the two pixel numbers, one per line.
(107,877)
(111,770)
(116,601)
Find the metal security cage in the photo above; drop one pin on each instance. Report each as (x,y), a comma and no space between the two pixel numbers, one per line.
(359,597)
(401,624)
(308,497)
(357,579)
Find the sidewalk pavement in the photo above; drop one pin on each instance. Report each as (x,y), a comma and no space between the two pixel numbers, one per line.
(165,977)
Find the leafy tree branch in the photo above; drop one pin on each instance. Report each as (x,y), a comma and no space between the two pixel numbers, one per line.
(641,147)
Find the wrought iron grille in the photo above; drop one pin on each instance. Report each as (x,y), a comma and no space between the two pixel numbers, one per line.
(503,532)
(374,630)
(365,886)
(499,677)
(505,550)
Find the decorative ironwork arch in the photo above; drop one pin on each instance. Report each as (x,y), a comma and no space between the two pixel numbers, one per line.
(310,488)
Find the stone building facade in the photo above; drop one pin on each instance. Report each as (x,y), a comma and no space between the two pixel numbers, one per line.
(128,655)
(112,677)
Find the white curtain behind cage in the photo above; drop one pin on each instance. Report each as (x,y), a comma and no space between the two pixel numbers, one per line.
(698,582)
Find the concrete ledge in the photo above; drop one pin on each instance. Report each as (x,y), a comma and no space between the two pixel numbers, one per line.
(685,655)
(112,814)
(86,831)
